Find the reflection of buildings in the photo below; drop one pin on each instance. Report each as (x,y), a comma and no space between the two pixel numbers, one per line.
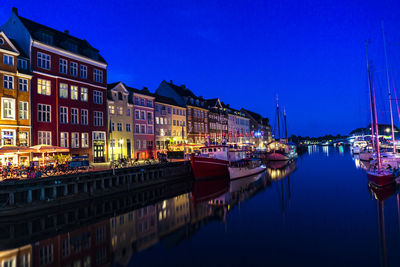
(146,227)
(282,171)
(123,235)
(86,246)
(16,257)
(172,214)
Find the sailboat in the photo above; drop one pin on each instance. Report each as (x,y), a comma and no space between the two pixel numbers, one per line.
(281,150)
(377,175)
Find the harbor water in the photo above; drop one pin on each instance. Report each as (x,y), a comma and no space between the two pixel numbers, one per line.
(318,211)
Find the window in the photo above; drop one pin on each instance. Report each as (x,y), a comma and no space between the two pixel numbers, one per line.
(44,87)
(63,90)
(136,128)
(8,82)
(23,85)
(111,109)
(174,122)
(128,112)
(44,138)
(46,255)
(8,60)
(73,69)
(74,140)
(169,110)
(149,117)
(137,144)
(100,234)
(157,120)
(22,64)
(64,139)
(8,262)
(83,72)
(142,102)
(74,115)
(63,66)
(142,115)
(63,115)
(23,110)
(84,94)
(120,111)
(85,140)
(128,127)
(65,250)
(119,127)
(84,116)
(24,260)
(97,97)
(43,61)
(150,105)
(137,114)
(119,96)
(112,127)
(8,109)
(98,118)
(74,92)
(149,129)
(44,113)
(98,75)
(143,129)
(46,38)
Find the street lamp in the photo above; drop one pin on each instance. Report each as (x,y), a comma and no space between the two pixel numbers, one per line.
(121,141)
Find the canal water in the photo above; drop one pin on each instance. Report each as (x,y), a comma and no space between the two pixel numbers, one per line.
(318,211)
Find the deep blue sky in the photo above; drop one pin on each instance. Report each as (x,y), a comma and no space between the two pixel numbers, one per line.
(310,53)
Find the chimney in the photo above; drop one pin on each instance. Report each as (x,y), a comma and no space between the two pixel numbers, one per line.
(15,10)
(66,31)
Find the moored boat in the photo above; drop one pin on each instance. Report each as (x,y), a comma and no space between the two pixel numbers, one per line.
(223,161)
(381,177)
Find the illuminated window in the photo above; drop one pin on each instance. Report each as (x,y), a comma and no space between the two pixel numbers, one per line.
(74,140)
(63,90)
(84,94)
(8,108)
(85,140)
(64,139)
(74,92)
(44,87)
(23,110)
(44,138)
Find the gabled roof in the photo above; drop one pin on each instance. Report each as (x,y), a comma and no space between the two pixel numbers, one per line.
(143,91)
(181,90)
(166,100)
(8,45)
(60,39)
(254,115)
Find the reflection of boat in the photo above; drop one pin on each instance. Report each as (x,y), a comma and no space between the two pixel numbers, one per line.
(243,183)
(209,189)
(382,194)
(277,174)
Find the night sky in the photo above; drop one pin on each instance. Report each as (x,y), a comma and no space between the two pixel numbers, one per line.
(310,53)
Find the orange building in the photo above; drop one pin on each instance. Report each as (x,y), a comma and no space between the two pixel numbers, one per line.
(15,122)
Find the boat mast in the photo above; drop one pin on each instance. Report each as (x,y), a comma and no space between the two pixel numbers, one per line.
(373,109)
(284,117)
(388,85)
(277,116)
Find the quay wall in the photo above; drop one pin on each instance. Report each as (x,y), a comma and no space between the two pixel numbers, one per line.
(32,195)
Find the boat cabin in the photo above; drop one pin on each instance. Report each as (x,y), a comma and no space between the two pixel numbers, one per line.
(216,152)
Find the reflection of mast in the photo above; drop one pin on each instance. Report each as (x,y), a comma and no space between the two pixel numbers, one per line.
(382,238)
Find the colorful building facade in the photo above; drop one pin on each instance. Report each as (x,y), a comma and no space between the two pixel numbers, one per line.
(143,121)
(217,121)
(15,88)
(120,122)
(69,86)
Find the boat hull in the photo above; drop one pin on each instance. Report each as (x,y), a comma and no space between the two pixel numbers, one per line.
(237,172)
(204,168)
(276,157)
(381,177)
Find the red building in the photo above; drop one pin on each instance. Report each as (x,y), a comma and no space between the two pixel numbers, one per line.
(69,87)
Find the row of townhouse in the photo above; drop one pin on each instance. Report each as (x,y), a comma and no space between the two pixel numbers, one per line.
(54,91)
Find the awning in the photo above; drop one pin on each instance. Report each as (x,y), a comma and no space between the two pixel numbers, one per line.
(49,149)
(15,149)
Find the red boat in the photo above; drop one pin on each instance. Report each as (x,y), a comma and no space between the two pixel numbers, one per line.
(381,177)
(213,163)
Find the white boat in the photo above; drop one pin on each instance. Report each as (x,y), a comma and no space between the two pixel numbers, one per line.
(241,166)
(357,146)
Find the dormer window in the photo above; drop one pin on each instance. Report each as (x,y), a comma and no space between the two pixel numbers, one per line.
(119,96)
(8,60)
(72,46)
(197,102)
(191,100)
(46,38)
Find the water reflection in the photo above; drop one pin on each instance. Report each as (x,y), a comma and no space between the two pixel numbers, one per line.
(312,149)
(127,228)
(381,194)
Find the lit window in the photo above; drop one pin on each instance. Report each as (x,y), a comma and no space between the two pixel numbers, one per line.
(63,90)
(85,140)
(44,87)
(44,138)
(74,92)
(8,109)
(84,94)
(64,139)
(74,140)
(23,110)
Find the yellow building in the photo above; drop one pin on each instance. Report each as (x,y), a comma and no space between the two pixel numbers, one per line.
(21,256)
(15,122)
(170,123)
(120,120)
